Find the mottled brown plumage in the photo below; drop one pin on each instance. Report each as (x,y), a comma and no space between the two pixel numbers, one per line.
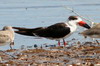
(7,36)
(94,32)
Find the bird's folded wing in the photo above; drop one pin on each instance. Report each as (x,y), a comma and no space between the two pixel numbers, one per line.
(25,29)
(4,38)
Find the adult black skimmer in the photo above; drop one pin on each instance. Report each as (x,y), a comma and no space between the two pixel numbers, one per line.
(57,31)
(7,36)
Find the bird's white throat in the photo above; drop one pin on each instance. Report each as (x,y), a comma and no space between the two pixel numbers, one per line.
(72,25)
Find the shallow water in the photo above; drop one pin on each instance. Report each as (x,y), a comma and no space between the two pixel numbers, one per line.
(35,13)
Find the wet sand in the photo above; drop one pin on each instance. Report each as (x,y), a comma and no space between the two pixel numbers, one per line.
(87,54)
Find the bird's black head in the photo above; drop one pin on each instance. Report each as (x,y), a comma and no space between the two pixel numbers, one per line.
(72,18)
(78,21)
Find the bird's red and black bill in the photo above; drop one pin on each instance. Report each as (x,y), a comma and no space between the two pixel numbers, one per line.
(84,24)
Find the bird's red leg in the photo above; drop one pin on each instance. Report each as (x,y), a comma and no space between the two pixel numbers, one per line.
(64,43)
(58,42)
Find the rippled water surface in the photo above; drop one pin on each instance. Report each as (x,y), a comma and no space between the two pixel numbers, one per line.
(35,13)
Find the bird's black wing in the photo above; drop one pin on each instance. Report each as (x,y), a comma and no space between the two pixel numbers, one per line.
(25,31)
(58,30)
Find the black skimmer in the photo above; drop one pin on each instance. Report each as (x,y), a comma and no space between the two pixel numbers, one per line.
(57,31)
(7,36)
(93,32)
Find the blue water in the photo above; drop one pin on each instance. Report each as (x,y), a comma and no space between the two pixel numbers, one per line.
(35,13)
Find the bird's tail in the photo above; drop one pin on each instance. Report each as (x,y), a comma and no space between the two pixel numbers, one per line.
(26,31)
